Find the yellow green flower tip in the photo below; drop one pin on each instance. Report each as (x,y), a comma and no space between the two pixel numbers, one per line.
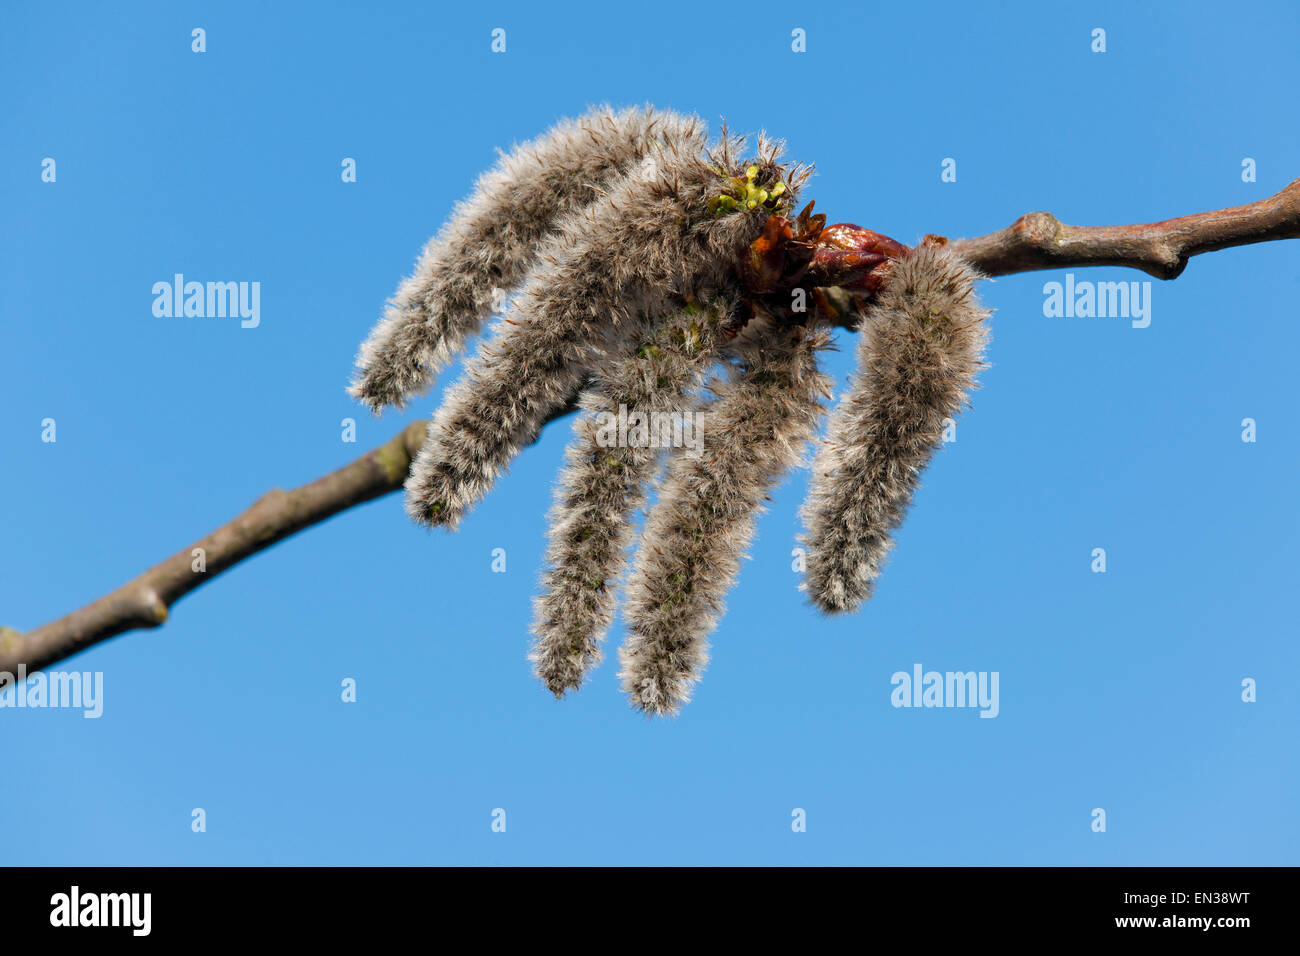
(763,195)
(778,189)
(752,204)
(722,205)
(751,173)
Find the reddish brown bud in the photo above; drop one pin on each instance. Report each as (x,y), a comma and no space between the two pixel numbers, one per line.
(849,256)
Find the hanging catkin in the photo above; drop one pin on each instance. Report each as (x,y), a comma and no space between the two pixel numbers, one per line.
(703,519)
(921,344)
(493,238)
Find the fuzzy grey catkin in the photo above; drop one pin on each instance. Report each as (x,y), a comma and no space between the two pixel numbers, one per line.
(493,238)
(921,344)
(603,485)
(625,261)
(704,517)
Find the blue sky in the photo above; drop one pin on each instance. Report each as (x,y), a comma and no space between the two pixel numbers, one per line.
(1119,690)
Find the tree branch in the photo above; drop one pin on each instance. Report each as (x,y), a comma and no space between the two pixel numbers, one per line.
(1035,241)
(1038,240)
(144,602)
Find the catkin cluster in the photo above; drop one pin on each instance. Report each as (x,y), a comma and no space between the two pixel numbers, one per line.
(615,250)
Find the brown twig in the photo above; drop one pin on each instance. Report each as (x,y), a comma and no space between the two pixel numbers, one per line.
(1038,240)
(1035,241)
(144,602)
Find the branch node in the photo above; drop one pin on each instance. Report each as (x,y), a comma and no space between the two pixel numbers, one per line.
(1168,261)
(153,610)
(1042,230)
(10,640)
